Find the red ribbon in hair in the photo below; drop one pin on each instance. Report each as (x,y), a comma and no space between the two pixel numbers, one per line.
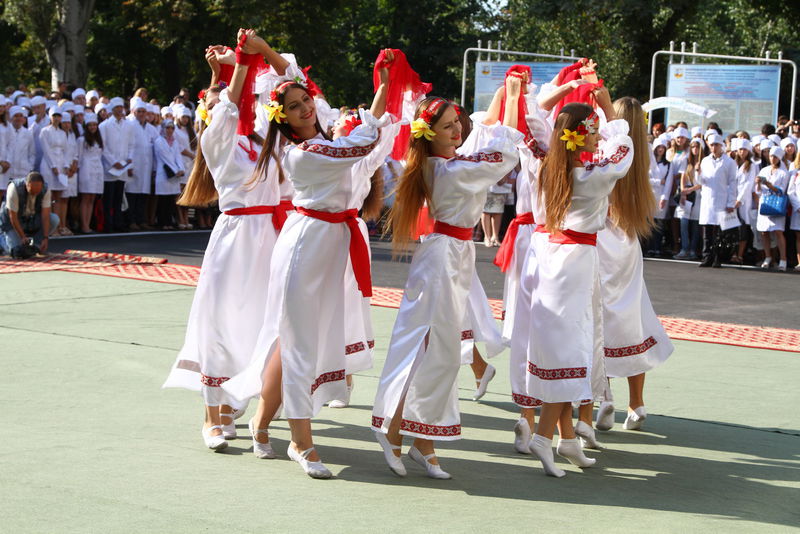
(350,124)
(246,104)
(312,88)
(402,78)
(522,108)
(582,94)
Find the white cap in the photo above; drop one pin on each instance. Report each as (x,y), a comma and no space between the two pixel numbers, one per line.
(777,152)
(766,144)
(17,109)
(660,141)
(167,123)
(67,107)
(92,94)
(736,143)
(89,118)
(138,103)
(78,92)
(99,107)
(786,142)
(709,133)
(55,110)
(183,111)
(165,111)
(664,138)
(38,100)
(680,132)
(49,104)
(746,144)
(775,138)
(3,101)
(756,139)
(696,131)
(116,101)
(698,141)
(714,139)
(15,94)
(153,108)
(24,101)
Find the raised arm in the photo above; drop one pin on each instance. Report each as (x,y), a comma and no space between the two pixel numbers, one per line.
(513,94)
(493,113)
(378,107)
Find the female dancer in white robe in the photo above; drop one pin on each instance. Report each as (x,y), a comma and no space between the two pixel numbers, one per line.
(299,352)
(565,358)
(229,305)
(634,339)
(417,395)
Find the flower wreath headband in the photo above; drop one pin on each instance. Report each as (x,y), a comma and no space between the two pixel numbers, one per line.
(274,109)
(422,125)
(575,138)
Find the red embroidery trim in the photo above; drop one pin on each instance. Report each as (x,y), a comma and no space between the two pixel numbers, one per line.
(633,350)
(533,146)
(557,374)
(339,152)
(430,430)
(616,157)
(524,400)
(377,422)
(491,157)
(213,381)
(467,334)
(332,376)
(358,347)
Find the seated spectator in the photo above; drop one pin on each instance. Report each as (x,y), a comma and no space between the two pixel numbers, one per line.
(25,214)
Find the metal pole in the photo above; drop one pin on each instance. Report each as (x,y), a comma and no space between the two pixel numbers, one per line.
(671,49)
(562,50)
(694,51)
(683,49)
(572,51)
(480,45)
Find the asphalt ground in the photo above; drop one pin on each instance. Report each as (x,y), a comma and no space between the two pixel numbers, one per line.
(732,294)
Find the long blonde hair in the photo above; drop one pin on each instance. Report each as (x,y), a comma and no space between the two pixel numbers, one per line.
(200,190)
(632,202)
(412,191)
(555,179)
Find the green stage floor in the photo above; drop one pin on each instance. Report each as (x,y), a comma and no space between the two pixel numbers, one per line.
(94,444)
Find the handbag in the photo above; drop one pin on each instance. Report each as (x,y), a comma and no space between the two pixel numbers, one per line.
(169,172)
(773,204)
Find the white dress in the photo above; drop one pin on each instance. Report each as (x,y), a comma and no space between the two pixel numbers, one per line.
(565,343)
(54,147)
(70,156)
(436,292)
(229,305)
(661,177)
(170,156)
(144,139)
(779,179)
(745,182)
(306,300)
(794,200)
(90,168)
(188,163)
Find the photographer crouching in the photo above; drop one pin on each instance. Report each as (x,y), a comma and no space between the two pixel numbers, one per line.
(25,217)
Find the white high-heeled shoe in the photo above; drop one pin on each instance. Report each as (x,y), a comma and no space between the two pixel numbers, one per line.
(588,438)
(228,431)
(263,451)
(313,469)
(483,383)
(635,419)
(215,443)
(433,470)
(395,463)
(605,416)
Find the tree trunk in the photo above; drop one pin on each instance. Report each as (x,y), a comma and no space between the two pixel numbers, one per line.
(66,48)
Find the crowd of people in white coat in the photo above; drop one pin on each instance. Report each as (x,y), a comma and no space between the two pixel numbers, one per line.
(281,313)
(711,185)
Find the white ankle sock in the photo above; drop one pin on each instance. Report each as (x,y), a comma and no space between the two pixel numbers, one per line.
(542,447)
(571,450)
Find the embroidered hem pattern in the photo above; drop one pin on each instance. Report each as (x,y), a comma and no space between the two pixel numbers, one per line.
(557,374)
(467,334)
(421,428)
(333,376)
(213,381)
(525,400)
(491,157)
(632,350)
(616,157)
(339,152)
(358,347)
(536,150)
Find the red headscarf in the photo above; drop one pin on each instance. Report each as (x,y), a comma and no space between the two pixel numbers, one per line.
(247,114)
(522,107)
(402,78)
(582,94)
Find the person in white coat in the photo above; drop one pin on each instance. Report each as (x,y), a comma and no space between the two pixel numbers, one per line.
(90,170)
(5,126)
(36,121)
(772,180)
(745,182)
(140,186)
(794,198)
(55,167)
(20,148)
(119,140)
(185,134)
(718,196)
(169,172)
(661,182)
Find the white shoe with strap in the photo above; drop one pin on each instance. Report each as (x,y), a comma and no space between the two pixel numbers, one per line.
(263,451)
(342,403)
(395,463)
(433,470)
(483,383)
(313,469)
(215,443)
(228,431)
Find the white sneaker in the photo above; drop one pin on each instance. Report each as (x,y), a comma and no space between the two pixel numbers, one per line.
(522,436)
(312,469)
(263,451)
(782,265)
(766,263)
(635,419)
(483,383)
(588,438)
(395,463)
(605,416)
(433,470)
(215,443)
(342,403)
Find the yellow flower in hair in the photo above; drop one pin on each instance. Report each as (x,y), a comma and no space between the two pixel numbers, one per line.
(275,112)
(421,128)
(202,113)
(573,139)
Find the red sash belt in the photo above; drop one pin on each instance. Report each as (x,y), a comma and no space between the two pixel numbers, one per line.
(569,237)
(464,234)
(359,252)
(278,212)
(506,250)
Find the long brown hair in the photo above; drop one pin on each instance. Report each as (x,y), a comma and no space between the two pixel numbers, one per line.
(373,204)
(632,202)
(200,190)
(412,191)
(273,132)
(555,180)
(744,162)
(693,162)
